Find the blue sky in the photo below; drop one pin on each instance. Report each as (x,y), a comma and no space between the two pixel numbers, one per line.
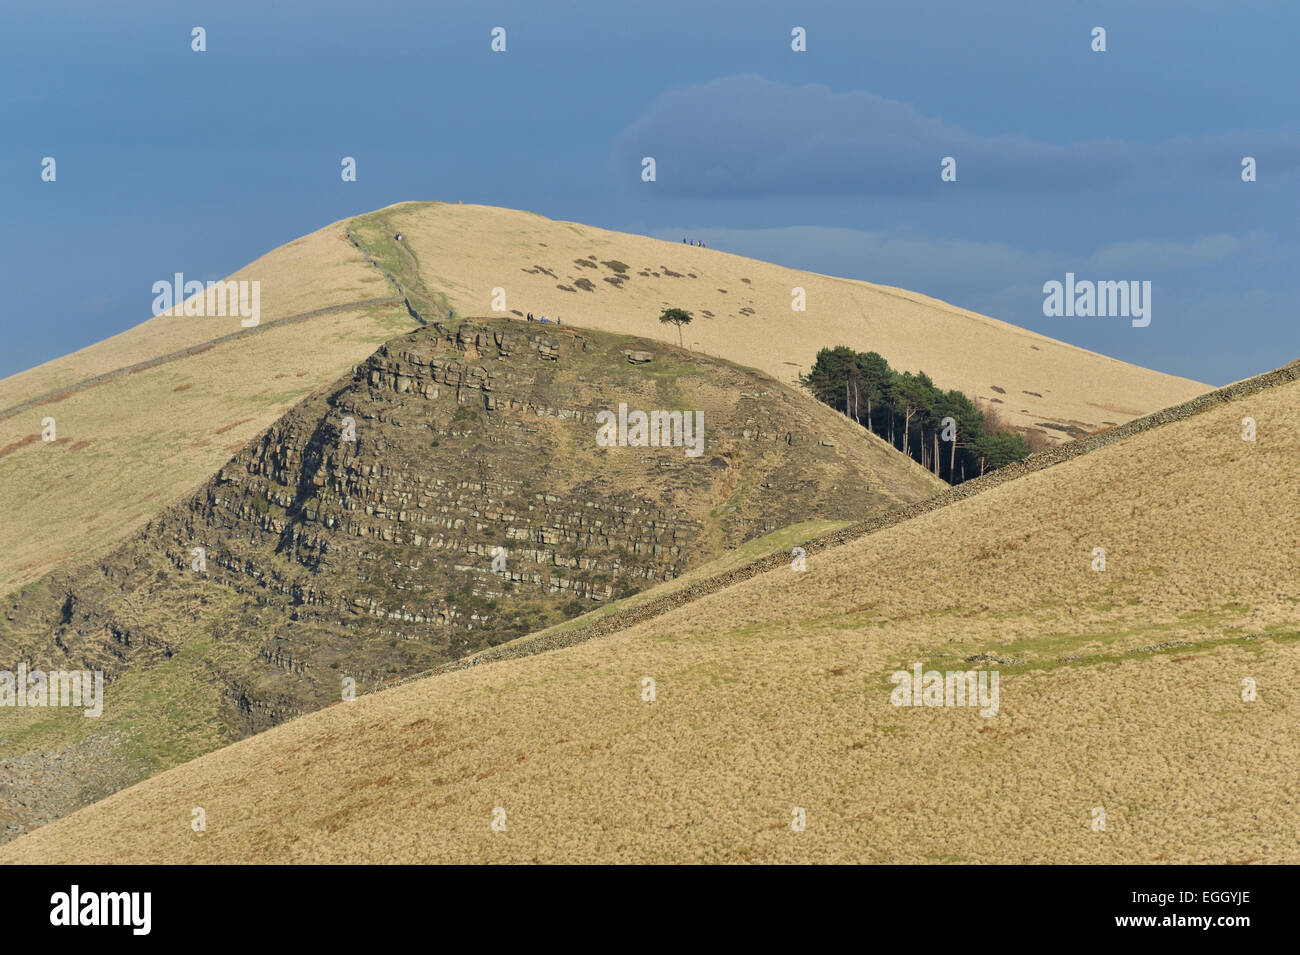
(1115,165)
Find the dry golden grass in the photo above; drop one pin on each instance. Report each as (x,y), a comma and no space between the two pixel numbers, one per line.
(315,271)
(134,444)
(465,251)
(137,442)
(140,441)
(774,694)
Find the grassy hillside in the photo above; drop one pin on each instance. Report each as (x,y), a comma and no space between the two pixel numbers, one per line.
(371,559)
(1120,690)
(742,307)
(145,416)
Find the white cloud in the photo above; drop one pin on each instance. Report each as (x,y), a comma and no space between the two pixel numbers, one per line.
(1145,255)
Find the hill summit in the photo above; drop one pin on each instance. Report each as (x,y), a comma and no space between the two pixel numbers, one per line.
(468,484)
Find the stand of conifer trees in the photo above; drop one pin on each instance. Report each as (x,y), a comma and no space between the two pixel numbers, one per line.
(908,410)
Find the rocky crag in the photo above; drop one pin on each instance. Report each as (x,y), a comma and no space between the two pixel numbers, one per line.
(447,496)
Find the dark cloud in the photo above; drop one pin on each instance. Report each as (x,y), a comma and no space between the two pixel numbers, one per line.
(1221,153)
(745,136)
(748,136)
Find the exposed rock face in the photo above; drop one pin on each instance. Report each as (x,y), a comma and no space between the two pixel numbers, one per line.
(446,497)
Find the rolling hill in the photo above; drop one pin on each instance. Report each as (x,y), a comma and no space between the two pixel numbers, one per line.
(356,541)
(145,417)
(457,256)
(1145,711)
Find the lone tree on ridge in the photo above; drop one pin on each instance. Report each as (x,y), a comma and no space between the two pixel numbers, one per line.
(678,317)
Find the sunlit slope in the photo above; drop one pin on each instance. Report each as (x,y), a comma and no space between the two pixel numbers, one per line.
(133,439)
(742,309)
(158,407)
(316,271)
(374,559)
(1120,690)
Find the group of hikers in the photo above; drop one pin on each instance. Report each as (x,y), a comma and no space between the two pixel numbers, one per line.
(696,242)
(543,319)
